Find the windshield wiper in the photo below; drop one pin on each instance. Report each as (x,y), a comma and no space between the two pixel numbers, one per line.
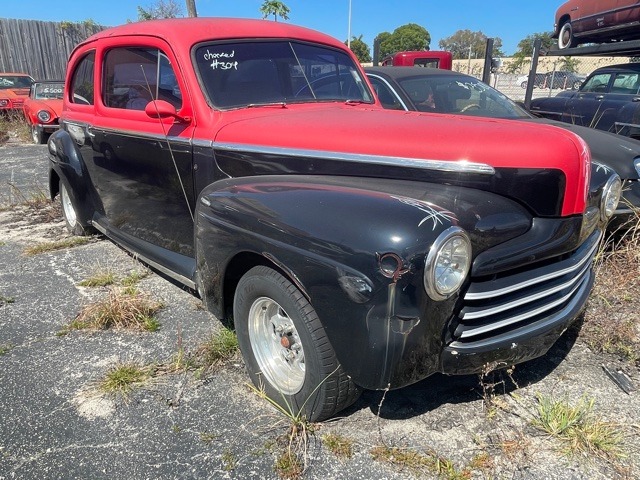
(268,104)
(351,101)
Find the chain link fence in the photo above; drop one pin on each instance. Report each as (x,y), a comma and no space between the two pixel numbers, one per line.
(553,75)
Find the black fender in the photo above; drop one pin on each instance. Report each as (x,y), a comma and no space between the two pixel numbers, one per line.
(67,165)
(356,248)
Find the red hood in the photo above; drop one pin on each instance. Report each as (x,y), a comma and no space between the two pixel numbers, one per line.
(415,135)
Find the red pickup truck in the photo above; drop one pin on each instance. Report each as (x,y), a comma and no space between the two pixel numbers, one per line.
(420,58)
(352,246)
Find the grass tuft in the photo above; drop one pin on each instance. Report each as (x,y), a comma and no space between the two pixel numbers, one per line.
(6,300)
(289,465)
(123,378)
(418,463)
(57,245)
(340,446)
(102,278)
(4,349)
(578,428)
(229,460)
(119,310)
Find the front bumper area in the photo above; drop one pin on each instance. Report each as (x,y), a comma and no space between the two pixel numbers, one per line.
(510,320)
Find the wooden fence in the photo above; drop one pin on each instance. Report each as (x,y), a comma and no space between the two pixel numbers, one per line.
(40,49)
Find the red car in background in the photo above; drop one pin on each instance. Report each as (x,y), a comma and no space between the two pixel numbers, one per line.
(14,89)
(587,21)
(42,109)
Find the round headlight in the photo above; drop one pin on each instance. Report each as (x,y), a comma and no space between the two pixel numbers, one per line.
(44,116)
(447,263)
(4,102)
(610,197)
(636,164)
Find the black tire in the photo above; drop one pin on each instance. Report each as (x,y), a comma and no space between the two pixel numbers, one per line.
(70,214)
(285,348)
(37,135)
(565,37)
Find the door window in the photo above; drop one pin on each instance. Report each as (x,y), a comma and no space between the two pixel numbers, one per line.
(135,76)
(597,83)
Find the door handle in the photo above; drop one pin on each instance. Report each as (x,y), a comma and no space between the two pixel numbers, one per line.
(635,99)
(599,97)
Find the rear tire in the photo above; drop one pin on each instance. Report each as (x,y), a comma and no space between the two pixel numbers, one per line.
(37,135)
(69,213)
(285,347)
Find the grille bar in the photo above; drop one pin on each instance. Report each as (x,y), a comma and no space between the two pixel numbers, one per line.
(493,307)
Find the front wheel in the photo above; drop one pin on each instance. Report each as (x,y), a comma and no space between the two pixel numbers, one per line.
(565,38)
(285,348)
(69,212)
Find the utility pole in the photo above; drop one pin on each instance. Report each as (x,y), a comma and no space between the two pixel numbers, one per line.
(349,28)
(191,8)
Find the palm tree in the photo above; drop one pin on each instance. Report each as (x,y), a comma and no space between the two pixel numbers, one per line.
(275,8)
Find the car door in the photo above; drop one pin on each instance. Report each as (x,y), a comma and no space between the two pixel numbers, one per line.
(586,14)
(141,166)
(627,11)
(586,106)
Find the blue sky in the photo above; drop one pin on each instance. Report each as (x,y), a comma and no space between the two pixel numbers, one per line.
(510,20)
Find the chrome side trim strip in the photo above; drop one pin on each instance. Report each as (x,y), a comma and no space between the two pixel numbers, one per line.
(184,280)
(455,166)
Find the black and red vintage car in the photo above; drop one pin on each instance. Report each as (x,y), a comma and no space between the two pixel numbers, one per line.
(354,247)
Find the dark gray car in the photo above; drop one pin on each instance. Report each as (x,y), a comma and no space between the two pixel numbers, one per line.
(410,88)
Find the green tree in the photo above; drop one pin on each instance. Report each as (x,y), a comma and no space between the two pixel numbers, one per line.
(406,37)
(525,50)
(275,8)
(360,49)
(568,64)
(463,42)
(160,9)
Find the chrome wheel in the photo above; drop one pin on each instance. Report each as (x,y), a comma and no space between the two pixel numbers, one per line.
(276,345)
(67,207)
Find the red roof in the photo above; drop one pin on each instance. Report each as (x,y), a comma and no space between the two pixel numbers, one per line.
(185,32)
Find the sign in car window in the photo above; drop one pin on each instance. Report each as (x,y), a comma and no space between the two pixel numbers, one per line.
(49,90)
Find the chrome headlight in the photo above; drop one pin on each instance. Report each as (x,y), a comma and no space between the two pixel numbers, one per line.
(636,164)
(610,197)
(44,116)
(4,102)
(447,264)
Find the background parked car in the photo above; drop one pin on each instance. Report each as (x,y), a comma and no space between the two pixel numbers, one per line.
(587,21)
(559,79)
(609,99)
(14,89)
(403,88)
(42,109)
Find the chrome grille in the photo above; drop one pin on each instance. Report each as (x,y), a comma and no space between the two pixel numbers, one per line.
(498,305)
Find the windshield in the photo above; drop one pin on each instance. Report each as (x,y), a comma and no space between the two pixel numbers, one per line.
(460,95)
(46,91)
(11,81)
(257,73)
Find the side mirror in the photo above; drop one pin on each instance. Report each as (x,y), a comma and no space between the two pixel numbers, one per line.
(162,109)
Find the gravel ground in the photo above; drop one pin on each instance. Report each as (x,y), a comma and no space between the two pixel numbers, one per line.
(55,424)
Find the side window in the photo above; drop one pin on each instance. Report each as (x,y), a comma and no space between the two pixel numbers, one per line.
(625,83)
(387,97)
(597,83)
(135,76)
(82,84)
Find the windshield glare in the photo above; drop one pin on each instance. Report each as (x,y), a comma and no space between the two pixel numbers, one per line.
(460,95)
(256,73)
(9,81)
